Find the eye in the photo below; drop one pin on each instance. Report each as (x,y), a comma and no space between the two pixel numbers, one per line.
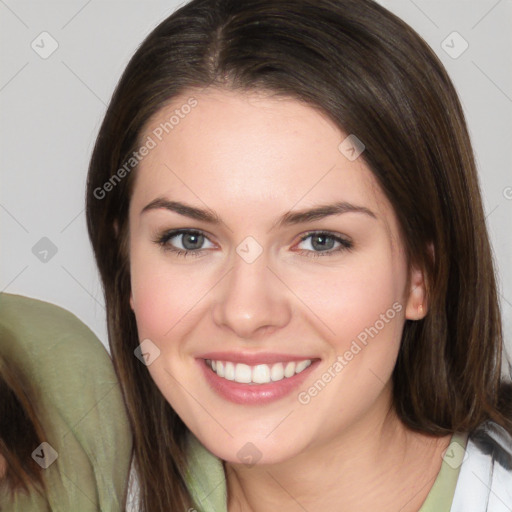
(184,242)
(190,242)
(321,243)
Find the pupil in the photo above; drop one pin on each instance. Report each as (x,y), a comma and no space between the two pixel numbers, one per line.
(320,242)
(191,241)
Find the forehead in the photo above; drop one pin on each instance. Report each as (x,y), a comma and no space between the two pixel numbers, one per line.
(247,151)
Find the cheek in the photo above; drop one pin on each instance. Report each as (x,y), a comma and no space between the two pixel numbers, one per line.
(164,294)
(154,294)
(361,300)
(363,308)
(152,300)
(371,306)
(369,330)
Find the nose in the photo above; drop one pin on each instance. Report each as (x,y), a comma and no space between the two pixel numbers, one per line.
(251,300)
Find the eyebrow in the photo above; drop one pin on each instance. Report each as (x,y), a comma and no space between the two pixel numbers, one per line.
(288,219)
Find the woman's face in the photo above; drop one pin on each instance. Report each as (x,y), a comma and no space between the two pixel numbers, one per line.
(294,283)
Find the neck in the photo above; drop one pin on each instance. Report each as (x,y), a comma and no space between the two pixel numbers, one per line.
(373,465)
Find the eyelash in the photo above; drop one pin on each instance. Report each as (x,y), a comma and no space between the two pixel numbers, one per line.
(163,241)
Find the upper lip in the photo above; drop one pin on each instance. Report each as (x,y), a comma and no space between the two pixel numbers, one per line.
(254,358)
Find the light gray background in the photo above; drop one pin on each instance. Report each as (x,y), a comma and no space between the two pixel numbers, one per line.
(51,110)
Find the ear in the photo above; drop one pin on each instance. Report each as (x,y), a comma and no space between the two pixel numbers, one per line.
(417,306)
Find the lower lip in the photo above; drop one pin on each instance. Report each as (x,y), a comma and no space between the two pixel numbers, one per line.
(254,394)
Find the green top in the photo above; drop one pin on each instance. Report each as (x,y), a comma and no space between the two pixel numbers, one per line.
(78,401)
(207,482)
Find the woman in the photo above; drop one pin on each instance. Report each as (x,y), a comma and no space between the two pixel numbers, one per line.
(285,213)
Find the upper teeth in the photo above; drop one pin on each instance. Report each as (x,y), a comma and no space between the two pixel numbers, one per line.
(259,374)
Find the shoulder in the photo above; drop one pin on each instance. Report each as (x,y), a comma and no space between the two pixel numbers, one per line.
(485,478)
(40,326)
(65,365)
(49,345)
(73,388)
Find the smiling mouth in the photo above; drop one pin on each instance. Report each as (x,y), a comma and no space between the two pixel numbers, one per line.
(257,374)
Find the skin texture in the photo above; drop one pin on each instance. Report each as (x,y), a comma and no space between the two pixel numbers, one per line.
(250,158)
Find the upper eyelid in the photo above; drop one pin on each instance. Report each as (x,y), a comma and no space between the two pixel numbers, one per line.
(183,231)
(171,233)
(334,234)
(344,240)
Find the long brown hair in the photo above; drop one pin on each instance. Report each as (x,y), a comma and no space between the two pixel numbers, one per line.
(376,78)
